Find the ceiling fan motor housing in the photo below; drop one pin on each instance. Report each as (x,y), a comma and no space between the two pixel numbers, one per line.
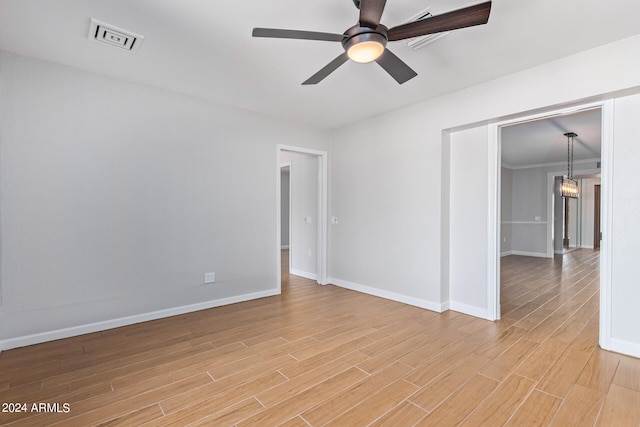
(364,44)
(358,34)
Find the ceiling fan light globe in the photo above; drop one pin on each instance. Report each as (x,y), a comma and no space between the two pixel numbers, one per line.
(365,51)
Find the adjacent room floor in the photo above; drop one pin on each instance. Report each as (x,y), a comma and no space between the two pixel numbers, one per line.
(323,355)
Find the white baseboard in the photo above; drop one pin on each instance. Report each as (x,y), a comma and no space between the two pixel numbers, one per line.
(10,343)
(571,249)
(305,274)
(471,310)
(416,302)
(625,347)
(533,254)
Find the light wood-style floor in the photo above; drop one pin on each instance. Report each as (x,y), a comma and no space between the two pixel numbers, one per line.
(322,355)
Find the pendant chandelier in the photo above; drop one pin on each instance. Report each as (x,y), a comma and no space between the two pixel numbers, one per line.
(569,185)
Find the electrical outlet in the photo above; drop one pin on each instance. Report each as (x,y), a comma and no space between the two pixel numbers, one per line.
(209,277)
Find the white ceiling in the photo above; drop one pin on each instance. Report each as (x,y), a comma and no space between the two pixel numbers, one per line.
(543,142)
(204,48)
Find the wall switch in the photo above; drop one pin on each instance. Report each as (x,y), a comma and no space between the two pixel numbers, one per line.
(307,220)
(209,277)
(334,220)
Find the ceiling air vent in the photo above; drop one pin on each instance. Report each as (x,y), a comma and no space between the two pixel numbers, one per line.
(418,42)
(114,36)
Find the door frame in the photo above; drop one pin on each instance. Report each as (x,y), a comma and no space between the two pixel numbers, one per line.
(321,223)
(596,216)
(282,166)
(493,226)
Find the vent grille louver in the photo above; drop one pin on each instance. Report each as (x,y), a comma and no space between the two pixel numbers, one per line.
(419,42)
(113,36)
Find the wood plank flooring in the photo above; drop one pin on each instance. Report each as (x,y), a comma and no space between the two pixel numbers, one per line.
(323,355)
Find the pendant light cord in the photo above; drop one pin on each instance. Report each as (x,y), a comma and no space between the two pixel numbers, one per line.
(571,162)
(568,158)
(570,136)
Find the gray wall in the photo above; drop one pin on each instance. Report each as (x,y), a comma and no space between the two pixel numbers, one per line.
(529,208)
(506,214)
(116,198)
(528,201)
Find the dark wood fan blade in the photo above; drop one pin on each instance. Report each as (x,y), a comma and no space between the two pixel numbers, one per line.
(461,18)
(371,12)
(276,33)
(326,70)
(395,67)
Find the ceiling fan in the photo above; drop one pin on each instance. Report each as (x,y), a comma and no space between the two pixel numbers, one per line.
(366,41)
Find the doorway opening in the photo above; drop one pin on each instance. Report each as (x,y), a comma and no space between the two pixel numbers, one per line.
(301,231)
(532,233)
